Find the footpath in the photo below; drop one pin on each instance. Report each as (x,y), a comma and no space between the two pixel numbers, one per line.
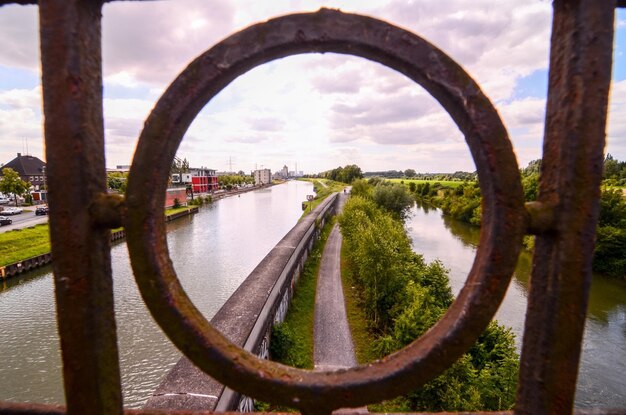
(332,348)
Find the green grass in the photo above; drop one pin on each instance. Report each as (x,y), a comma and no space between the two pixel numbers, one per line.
(322,192)
(359,328)
(20,244)
(171,211)
(293,338)
(299,322)
(445,183)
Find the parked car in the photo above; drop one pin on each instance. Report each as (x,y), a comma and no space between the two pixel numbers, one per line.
(5,221)
(41,210)
(4,200)
(12,211)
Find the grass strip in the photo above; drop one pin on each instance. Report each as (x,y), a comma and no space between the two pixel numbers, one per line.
(323,188)
(19,244)
(292,340)
(358,322)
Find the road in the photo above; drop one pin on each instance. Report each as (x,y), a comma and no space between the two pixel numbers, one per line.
(24,220)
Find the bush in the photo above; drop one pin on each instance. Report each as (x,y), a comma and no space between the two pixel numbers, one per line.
(403,297)
(176,203)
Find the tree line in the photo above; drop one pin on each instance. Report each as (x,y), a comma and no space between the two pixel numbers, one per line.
(412,174)
(464,203)
(403,296)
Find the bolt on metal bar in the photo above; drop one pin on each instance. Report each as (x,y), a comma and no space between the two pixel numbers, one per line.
(579,80)
(74,134)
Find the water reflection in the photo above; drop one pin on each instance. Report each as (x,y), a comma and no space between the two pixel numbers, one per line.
(602,376)
(212,252)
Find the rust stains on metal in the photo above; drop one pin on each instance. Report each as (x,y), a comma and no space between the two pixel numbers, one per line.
(108,210)
(541,217)
(80,218)
(76,177)
(579,79)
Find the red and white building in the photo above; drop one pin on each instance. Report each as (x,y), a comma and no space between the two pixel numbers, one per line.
(199,180)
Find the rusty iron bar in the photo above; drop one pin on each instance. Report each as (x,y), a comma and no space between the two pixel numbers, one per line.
(74,136)
(503,211)
(72,85)
(579,80)
(10,408)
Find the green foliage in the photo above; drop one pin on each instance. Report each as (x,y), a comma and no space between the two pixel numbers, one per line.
(176,204)
(361,188)
(609,256)
(461,203)
(612,208)
(410,173)
(117,181)
(394,198)
(614,171)
(346,174)
(461,176)
(10,183)
(228,181)
(179,166)
(403,297)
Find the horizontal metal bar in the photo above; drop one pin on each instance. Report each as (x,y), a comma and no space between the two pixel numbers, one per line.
(9,408)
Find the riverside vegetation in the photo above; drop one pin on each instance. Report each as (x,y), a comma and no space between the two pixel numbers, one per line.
(463,202)
(401,297)
(394,297)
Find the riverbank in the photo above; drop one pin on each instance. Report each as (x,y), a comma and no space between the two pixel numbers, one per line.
(27,249)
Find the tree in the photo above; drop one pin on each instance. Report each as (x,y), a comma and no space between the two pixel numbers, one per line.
(117,181)
(393,198)
(11,183)
(410,173)
(361,188)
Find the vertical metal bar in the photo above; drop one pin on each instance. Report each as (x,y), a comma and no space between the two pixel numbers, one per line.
(74,133)
(580,74)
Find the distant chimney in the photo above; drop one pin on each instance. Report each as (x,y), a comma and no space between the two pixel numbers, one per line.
(19,155)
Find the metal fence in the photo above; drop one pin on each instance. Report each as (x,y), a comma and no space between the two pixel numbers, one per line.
(82,214)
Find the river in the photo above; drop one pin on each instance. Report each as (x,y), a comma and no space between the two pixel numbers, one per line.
(602,376)
(213,251)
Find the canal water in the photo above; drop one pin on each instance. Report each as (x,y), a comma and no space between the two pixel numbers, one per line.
(213,251)
(602,377)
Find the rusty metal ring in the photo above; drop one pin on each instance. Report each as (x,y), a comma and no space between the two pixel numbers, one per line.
(501,234)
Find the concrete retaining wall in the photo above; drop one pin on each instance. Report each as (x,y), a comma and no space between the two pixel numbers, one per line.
(246,319)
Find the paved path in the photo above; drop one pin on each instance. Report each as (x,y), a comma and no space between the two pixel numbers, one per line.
(333,348)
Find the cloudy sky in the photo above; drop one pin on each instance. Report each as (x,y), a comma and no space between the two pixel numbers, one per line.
(319,111)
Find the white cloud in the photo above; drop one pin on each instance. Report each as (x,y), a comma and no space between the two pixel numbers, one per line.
(318,110)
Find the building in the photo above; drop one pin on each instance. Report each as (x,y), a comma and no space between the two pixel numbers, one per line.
(198,180)
(203,180)
(30,168)
(262,176)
